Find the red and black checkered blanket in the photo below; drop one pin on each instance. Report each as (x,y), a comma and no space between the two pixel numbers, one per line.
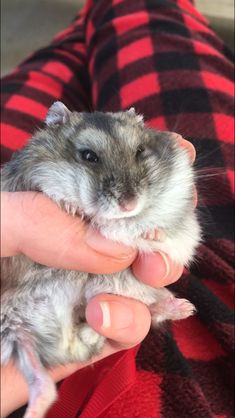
(161,57)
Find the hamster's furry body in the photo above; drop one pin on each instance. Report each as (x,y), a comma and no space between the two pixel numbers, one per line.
(129,181)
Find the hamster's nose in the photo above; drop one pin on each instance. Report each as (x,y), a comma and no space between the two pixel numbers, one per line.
(128,205)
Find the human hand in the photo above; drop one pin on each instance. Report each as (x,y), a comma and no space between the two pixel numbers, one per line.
(33,225)
(49,236)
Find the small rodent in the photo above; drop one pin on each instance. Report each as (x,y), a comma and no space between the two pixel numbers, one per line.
(128,180)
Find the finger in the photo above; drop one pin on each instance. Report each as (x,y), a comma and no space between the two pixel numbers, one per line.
(192,154)
(185,144)
(125,322)
(156,270)
(190,149)
(51,237)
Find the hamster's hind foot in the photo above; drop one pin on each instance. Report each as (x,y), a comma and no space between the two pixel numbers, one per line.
(42,396)
(171,308)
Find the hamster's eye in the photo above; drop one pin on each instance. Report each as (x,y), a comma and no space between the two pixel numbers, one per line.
(140,150)
(89,155)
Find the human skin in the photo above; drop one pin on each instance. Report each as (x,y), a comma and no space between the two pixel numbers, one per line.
(33,225)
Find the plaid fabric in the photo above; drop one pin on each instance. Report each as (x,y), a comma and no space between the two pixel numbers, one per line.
(161,57)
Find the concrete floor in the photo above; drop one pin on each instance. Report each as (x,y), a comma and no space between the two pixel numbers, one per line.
(29,24)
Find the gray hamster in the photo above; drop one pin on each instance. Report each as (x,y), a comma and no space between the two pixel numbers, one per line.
(128,180)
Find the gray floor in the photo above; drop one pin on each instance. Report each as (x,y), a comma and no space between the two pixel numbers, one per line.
(29,24)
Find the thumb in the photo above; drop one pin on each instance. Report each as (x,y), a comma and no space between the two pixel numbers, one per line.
(33,225)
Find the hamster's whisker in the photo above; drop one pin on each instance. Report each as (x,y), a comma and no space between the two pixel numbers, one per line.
(50,306)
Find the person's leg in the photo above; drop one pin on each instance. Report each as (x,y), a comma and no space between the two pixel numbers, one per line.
(169,65)
(161,57)
(56,72)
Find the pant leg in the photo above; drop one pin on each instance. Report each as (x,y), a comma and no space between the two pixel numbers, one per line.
(162,57)
(144,53)
(56,72)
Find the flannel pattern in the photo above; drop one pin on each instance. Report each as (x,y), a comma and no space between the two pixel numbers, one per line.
(161,57)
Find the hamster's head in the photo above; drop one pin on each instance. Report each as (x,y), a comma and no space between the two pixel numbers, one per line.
(110,166)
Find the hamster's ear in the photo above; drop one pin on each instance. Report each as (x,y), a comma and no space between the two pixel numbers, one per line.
(139,118)
(131,111)
(57,114)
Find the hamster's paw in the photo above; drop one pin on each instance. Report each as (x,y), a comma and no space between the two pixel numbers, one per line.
(42,394)
(181,246)
(91,338)
(171,308)
(154,235)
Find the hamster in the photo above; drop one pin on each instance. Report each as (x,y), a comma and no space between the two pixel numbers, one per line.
(129,181)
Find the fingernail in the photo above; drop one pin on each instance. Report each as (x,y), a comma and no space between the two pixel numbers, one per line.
(152,269)
(105,315)
(166,265)
(102,245)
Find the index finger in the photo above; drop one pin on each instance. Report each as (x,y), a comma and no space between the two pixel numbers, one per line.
(184,143)
(156,269)
(49,236)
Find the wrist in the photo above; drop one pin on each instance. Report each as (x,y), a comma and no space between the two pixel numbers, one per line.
(14,392)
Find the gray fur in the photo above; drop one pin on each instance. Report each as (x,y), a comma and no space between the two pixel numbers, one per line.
(44,308)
